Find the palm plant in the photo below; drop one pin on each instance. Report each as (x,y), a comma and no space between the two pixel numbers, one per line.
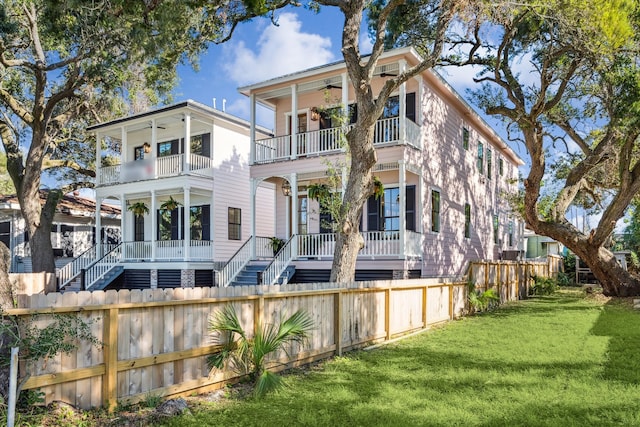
(247,355)
(481,300)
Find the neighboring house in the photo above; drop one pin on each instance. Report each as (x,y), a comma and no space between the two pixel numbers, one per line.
(182,177)
(72,232)
(443,168)
(540,246)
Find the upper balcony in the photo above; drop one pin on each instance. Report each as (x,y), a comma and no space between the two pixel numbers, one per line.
(172,141)
(388,131)
(153,168)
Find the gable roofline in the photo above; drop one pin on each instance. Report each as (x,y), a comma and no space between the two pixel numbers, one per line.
(320,69)
(188,104)
(435,78)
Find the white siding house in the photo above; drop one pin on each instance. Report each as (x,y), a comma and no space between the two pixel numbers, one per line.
(181,175)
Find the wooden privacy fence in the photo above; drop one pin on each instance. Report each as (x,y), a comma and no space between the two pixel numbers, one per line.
(512,279)
(155,341)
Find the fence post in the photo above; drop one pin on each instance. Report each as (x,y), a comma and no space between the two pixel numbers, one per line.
(337,318)
(451,301)
(486,276)
(387,315)
(498,282)
(424,306)
(110,378)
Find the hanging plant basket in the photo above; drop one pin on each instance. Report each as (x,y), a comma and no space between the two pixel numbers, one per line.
(318,192)
(138,208)
(170,204)
(378,187)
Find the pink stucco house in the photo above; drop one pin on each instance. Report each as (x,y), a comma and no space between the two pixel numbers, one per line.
(444,171)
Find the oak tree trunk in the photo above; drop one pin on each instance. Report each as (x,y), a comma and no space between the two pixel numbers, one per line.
(349,241)
(614,279)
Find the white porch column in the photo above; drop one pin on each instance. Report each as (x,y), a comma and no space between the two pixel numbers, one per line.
(187,222)
(252,204)
(403,207)
(187,142)
(252,129)
(294,212)
(294,121)
(287,216)
(123,214)
(403,104)
(154,225)
(345,98)
(98,228)
(99,159)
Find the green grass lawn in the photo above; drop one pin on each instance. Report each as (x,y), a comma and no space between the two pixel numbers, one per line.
(550,361)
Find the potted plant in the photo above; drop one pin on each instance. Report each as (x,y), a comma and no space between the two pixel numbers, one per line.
(276,244)
(170,204)
(378,187)
(318,192)
(138,208)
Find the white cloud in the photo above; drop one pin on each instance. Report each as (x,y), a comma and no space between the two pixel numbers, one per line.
(280,50)
(366,45)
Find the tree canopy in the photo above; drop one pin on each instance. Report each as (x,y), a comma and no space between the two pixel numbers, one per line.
(564,76)
(66,64)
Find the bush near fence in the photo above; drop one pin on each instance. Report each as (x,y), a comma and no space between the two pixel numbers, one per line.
(155,341)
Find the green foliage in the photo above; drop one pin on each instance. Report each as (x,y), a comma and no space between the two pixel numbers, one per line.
(276,244)
(481,300)
(41,343)
(138,208)
(570,264)
(247,355)
(6,185)
(152,400)
(543,286)
(565,279)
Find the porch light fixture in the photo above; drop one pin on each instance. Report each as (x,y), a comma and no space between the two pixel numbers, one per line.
(315,114)
(147,147)
(286,188)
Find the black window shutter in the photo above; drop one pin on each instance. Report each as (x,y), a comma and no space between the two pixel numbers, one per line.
(373,214)
(411,106)
(410,208)
(353,113)
(206,222)
(206,145)
(175,147)
(158,223)
(325,220)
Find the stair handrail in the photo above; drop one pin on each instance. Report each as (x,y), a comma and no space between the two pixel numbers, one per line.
(280,262)
(96,270)
(235,264)
(72,269)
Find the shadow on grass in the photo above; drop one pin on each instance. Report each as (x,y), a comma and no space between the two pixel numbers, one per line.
(621,325)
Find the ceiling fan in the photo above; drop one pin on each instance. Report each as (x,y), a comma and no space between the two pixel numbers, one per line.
(329,86)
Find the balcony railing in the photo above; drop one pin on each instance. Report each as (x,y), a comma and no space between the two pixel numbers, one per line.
(167,250)
(160,167)
(376,244)
(387,132)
